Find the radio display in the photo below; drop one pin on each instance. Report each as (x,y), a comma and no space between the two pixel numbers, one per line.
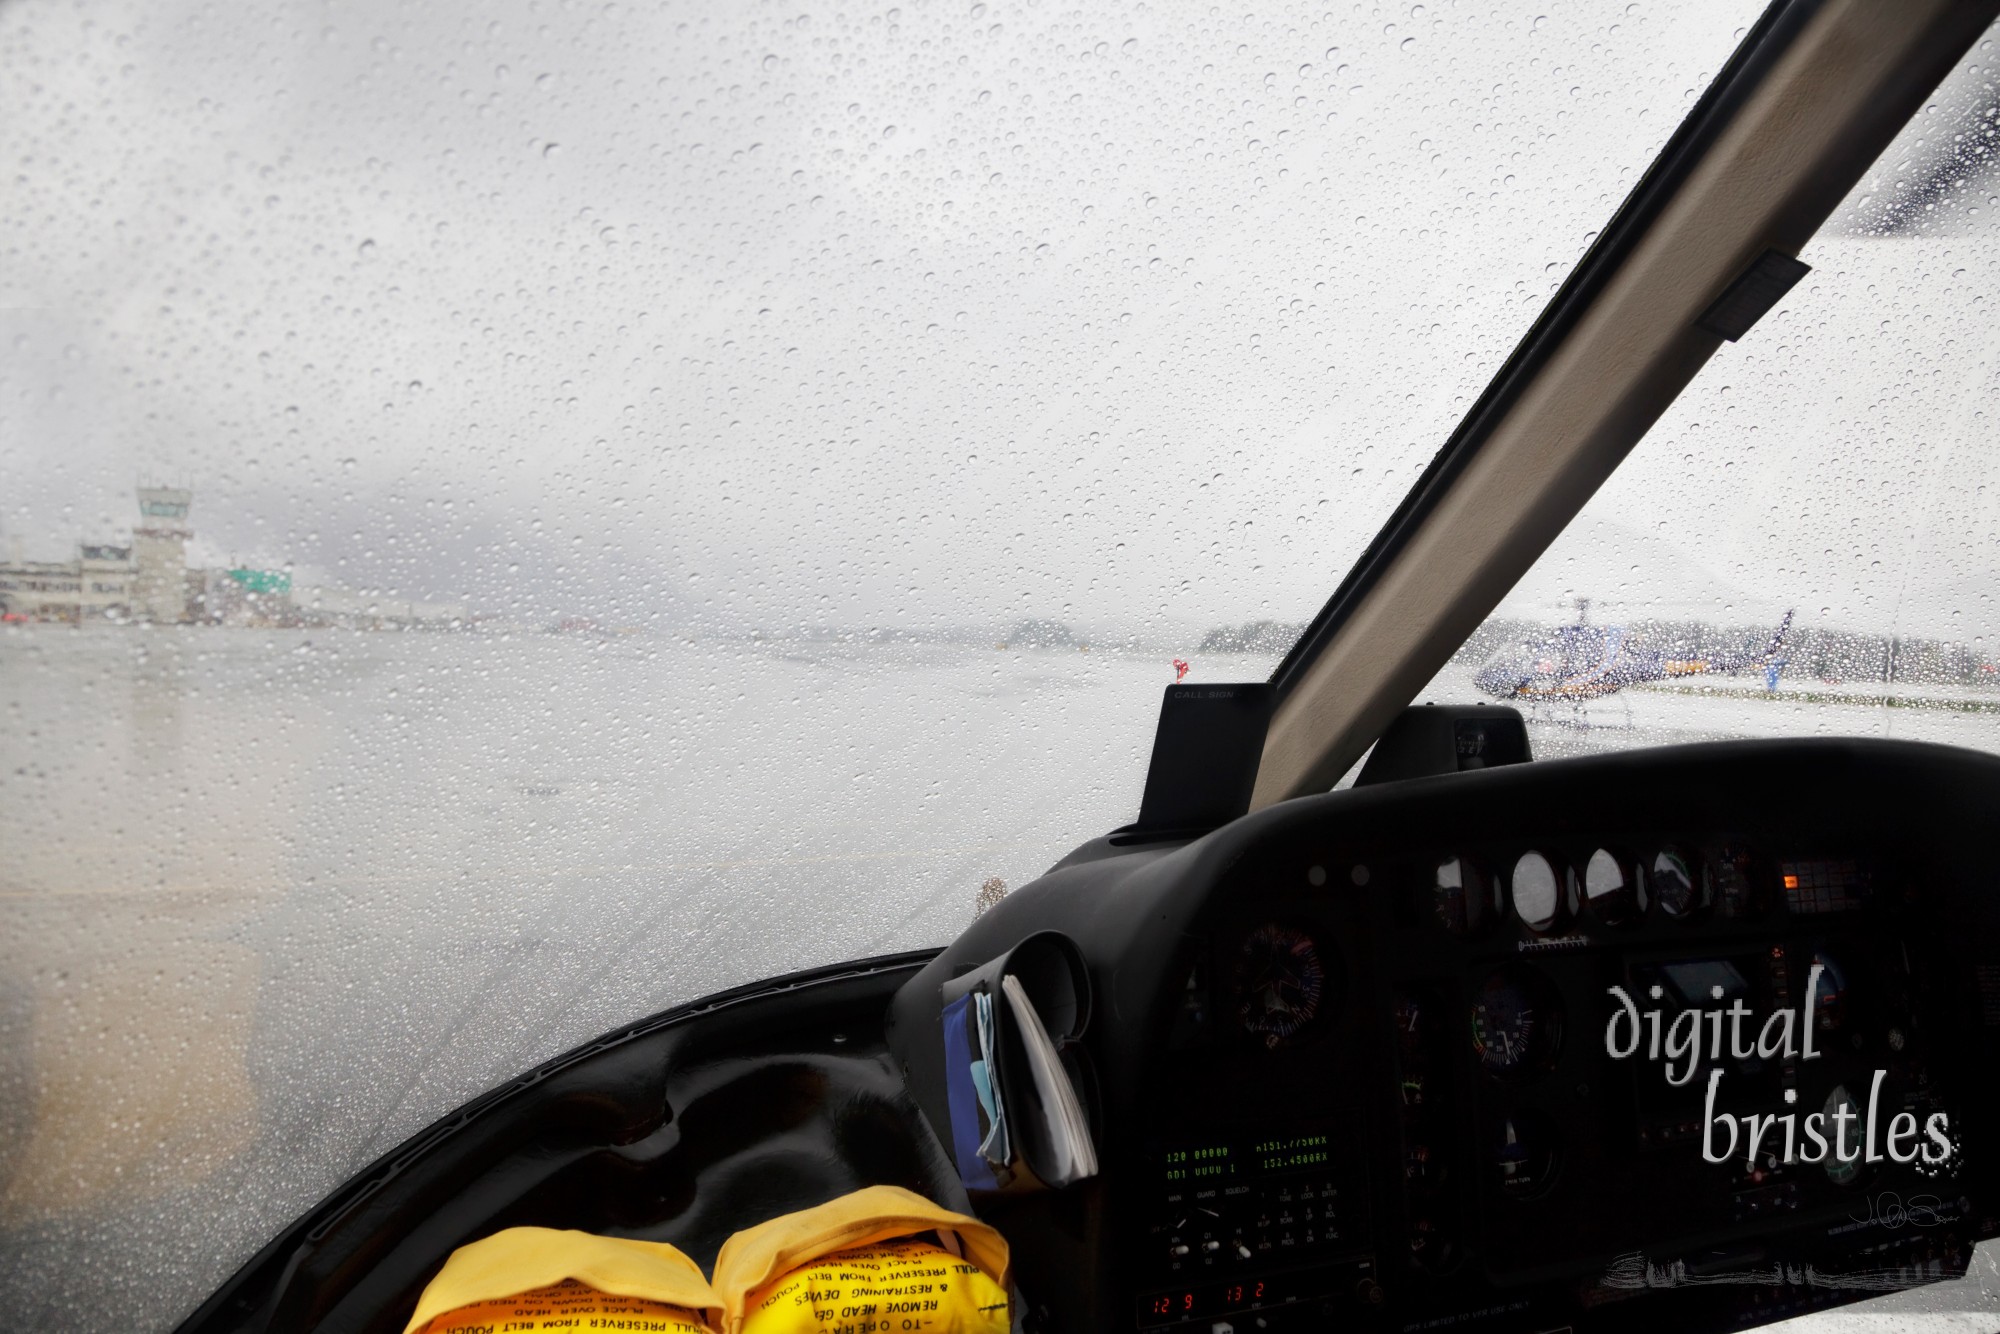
(1296,1153)
(1245,1157)
(1207,1162)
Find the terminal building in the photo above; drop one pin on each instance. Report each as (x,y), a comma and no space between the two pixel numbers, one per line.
(149,581)
(146,580)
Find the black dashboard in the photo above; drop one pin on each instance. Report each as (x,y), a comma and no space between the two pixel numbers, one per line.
(1686,1039)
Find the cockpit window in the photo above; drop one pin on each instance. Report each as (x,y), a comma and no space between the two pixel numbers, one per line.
(1806,542)
(518,515)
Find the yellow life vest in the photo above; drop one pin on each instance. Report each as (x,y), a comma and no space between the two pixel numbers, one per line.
(545,1275)
(880,1259)
(865,1262)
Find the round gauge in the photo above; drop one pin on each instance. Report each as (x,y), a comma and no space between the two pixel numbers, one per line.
(1537,892)
(1829,1005)
(1838,1172)
(1676,884)
(1460,894)
(1516,1022)
(1280,982)
(1431,1246)
(1613,889)
(1523,1154)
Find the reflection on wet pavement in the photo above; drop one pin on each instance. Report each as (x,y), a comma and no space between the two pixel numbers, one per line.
(135,1079)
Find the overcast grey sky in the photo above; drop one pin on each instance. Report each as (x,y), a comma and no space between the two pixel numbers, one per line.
(1136,314)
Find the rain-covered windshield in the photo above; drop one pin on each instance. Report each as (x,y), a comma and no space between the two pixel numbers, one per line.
(518,515)
(1809,541)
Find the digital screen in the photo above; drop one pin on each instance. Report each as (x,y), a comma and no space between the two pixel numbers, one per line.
(1697,983)
(1200,1300)
(1670,1113)
(1202,1163)
(1294,1153)
(1245,1159)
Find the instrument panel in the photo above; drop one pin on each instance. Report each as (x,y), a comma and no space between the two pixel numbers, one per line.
(1463,1072)
(1682,1040)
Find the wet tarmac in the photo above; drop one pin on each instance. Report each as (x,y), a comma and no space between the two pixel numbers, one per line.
(272,901)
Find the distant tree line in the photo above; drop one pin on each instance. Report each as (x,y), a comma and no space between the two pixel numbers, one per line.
(1041,634)
(1253,637)
(1811,654)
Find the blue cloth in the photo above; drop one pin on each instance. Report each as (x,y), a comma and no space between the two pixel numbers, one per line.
(962,1098)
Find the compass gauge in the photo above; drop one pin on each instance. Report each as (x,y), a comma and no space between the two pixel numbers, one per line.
(1280,982)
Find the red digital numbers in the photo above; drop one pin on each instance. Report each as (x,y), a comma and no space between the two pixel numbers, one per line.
(1236,1294)
(1193,1301)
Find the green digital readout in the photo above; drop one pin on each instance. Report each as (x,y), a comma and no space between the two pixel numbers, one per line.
(1208,1161)
(1293,1153)
(1246,1158)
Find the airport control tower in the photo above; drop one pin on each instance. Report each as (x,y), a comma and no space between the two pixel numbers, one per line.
(159,554)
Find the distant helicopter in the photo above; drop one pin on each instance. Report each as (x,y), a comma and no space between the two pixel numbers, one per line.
(1583,662)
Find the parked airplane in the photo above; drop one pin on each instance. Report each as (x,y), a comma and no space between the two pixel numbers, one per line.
(1583,661)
